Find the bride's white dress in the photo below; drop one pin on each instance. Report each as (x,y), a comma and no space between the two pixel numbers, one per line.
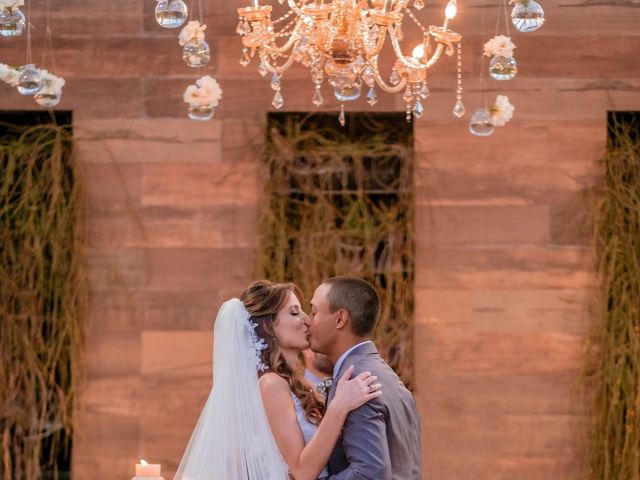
(308,429)
(232,439)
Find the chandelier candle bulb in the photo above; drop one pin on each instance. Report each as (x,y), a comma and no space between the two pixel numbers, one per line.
(450,12)
(418,51)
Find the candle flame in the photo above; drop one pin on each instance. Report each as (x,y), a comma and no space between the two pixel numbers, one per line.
(143,461)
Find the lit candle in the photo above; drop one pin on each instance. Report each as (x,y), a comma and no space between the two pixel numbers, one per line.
(450,12)
(144,469)
(255,3)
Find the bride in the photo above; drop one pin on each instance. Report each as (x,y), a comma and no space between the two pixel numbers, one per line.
(262,421)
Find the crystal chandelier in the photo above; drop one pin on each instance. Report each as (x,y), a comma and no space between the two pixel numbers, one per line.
(341,41)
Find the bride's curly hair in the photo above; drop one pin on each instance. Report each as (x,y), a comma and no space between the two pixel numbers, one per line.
(263,300)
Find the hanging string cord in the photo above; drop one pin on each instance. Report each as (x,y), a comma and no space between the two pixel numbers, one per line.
(483,83)
(506,19)
(48,49)
(29,26)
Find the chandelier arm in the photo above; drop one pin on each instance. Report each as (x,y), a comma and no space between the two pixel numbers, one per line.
(293,38)
(380,41)
(279,69)
(383,85)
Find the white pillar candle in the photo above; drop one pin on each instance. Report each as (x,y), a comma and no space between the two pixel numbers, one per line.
(144,469)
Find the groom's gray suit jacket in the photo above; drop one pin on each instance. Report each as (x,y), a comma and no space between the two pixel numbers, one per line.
(381,439)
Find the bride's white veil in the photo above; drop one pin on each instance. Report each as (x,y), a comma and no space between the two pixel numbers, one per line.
(232,440)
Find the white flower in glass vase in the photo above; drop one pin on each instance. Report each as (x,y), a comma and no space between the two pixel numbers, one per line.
(195,50)
(12,20)
(51,92)
(202,98)
(501,111)
(502,65)
(9,75)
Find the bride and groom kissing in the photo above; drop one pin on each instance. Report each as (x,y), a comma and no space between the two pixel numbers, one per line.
(263,421)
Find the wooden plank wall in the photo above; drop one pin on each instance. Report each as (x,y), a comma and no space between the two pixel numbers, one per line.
(503,276)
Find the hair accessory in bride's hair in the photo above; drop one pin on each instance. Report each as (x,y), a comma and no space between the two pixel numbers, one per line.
(256,345)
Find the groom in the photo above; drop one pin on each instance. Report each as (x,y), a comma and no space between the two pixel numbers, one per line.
(381,439)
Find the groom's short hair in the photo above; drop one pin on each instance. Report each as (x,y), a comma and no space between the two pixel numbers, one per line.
(359,298)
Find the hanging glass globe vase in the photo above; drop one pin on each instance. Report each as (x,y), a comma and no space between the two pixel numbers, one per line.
(30,81)
(12,22)
(480,124)
(201,112)
(196,54)
(503,68)
(527,16)
(171,13)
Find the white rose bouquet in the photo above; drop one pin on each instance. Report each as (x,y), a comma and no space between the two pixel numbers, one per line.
(206,91)
(501,111)
(500,45)
(192,32)
(9,75)
(11,3)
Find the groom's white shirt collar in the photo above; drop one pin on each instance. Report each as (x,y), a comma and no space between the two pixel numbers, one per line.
(340,361)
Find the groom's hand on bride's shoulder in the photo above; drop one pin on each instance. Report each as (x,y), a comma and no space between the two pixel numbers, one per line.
(351,393)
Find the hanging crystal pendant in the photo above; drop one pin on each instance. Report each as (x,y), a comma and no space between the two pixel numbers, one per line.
(12,22)
(341,118)
(278,100)
(424,90)
(394,78)
(527,16)
(196,54)
(240,28)
(171,13)
(480,124)
(372,97)
(418,4)
(48,98)
(458,109)
(30,81)
(201,112)
(275,81)
(409,116)
(263,69)
(418,109)
(408,95)
(503,68)
(244,59)
(317,99)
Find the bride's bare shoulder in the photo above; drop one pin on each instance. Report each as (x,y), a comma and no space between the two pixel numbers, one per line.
(272,382)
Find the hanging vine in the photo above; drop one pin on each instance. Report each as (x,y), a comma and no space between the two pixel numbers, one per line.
(42,299)
(615,363)
(341,202)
